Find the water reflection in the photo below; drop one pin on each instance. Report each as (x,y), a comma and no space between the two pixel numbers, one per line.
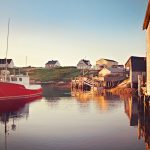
(131,109)
(14,110)
(105,102)
(138,113)
(144,124)
(51,92)
(83,121)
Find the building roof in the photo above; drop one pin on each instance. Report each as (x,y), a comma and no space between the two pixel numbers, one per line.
(112,70)
(110,60)
(107,60)
(137,63)
(116,70)
(87,62)
(3,61)
(147,16)
(52,62)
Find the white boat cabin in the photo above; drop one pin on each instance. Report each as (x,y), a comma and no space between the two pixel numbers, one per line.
(17,79)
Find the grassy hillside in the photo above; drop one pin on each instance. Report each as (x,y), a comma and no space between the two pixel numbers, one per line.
(43,74)
(56,74)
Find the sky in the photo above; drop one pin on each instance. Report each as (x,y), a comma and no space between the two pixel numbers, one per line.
(70,30)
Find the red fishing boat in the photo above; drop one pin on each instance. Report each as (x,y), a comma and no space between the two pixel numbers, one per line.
(17,86)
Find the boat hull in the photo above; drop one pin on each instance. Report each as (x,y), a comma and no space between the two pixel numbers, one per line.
(17,91)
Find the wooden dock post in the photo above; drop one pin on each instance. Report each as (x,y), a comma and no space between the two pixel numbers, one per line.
(139,85)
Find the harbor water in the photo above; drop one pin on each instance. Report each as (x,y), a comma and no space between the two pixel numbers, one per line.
(62,120)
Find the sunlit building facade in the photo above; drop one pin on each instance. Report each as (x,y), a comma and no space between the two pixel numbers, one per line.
(146,26)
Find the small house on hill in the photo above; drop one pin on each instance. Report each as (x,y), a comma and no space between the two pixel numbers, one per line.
(52,64)
(136,66)
(146,26)
(106,63)
(9,62)
(84,64)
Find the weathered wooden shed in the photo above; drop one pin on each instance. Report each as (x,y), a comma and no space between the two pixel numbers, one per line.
(136,66)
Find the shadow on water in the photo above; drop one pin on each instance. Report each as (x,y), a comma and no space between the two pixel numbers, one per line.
(138,113)
(144,124)
(51,92)
(131,110)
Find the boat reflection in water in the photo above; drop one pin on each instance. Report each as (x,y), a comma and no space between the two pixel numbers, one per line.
(14,109)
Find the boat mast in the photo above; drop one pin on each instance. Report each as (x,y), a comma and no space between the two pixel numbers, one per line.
(26,62)
(7,49)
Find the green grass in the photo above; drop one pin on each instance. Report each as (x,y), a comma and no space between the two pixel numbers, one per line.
(56,74)
(42,74)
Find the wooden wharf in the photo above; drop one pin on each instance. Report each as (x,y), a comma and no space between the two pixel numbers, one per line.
(95,84)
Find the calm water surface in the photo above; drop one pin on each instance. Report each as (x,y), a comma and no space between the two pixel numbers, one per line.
(60,121)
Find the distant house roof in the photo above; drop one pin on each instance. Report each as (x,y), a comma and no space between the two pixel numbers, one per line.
(147,16)
(110,60)
(87,62)
(52,62)
(137,63)
(3,61)
(107,60)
